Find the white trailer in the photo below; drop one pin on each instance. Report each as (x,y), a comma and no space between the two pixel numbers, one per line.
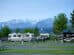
(20,36)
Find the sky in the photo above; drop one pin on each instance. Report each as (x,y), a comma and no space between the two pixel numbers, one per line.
(34,10)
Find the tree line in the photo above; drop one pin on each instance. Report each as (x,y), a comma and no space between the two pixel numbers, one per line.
(4,31)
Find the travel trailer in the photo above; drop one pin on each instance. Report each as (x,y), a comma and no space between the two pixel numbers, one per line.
(20,37)
(43,36)
(27,37)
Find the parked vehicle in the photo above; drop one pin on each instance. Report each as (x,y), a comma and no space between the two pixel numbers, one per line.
(27,37)
(20,36)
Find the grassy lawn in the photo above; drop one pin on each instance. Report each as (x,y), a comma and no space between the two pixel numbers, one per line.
(51,48)
(40,51)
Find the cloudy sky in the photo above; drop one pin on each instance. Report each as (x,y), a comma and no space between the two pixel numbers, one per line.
(34,10)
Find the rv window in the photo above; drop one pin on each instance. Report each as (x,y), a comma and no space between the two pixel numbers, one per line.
(19,35)
(27,35)
(14,35)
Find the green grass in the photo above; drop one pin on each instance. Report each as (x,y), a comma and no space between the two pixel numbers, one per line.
(40,51)
(59,48)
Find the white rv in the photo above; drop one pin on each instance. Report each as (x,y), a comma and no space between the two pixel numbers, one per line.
(20,36)
(26,36)
(43,36)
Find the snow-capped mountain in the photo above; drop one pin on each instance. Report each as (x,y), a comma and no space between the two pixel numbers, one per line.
(44,25)
(16,24)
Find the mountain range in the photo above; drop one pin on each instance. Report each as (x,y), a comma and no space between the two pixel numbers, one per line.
(43,25)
